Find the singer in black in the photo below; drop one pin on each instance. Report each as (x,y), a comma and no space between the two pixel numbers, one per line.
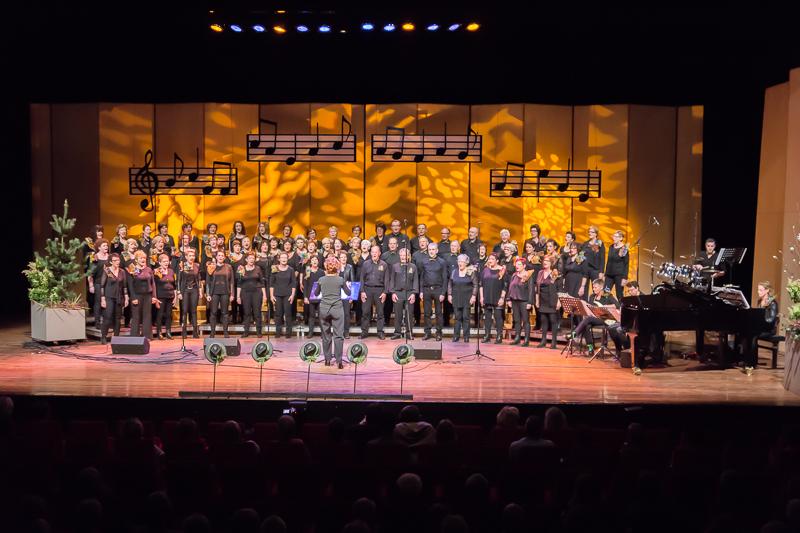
(239,232)
(186,229)
(250,292)
(282,292)
(329,288)
(374,282)
(462,292)
(166,281)
(113,296)
(96,264)
(493,288)
(163,232)
(470,245)
(547,287)
(402,239)
(595,253)
(403,286)
(311,275)
(219,292)
(142,291)
(433,276)
(391,257)
(617,265)
(189,291)
(576,273)
(236,259)
(347,273)
(520,300)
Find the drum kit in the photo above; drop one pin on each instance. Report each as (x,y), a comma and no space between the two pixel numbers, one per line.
(684,276)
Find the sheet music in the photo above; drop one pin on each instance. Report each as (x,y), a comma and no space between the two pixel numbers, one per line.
(531,184)
(730,296)
(427,148)
(290,148)
(222,179)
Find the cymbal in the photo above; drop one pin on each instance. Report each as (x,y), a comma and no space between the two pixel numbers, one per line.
(710,270)
(653,252)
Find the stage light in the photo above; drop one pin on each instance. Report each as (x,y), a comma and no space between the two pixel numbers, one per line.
(216,27)
(454,27)
(279,29)
(281,12)
(236,28)
(367,26)
(310,351)
(388,27)
(262,351)
(342,31)
(473,27)
(259,28)
(324,28)
(357,353)
(403,354)
(433,27)
(408,26)
(302,29)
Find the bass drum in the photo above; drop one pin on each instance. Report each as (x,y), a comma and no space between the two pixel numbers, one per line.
(666,272)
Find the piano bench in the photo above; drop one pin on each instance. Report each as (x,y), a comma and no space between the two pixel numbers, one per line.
(771,344)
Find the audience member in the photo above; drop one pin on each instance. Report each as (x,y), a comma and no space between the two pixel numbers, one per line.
(364,509)
(196,523)
(508,417)
(7,430)
(356,526)
(157,513)
(131,433)
(88,517)
(453,524)
(232,433)
(555,419)
(187,429)
(369,428)
(636,436)
(273,524)
(445,432)
(513,519)
(532,438)
(411,429)
(336,431)
(410,487)
(245,521)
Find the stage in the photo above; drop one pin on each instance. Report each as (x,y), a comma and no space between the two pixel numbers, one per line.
(519,375)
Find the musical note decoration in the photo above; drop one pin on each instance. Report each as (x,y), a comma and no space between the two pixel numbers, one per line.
(222,178)
(395,145)
(289,148)
(521,182)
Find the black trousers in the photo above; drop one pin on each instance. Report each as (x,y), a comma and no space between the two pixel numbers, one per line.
(373,295)
(593,275)
(283,315)
(219,311)
(495,311)
(616,282)
(313,310)
(251,302)
(522,318)
(584,328)
(417,310)
(461,322)
(111,315)
(447,310)
(164,313)
(189,308)
(359,310)
(550,321)
(97,308)
(401,305)
(431,304)
(388,307)
(332,318)
(236,311)
(141,315)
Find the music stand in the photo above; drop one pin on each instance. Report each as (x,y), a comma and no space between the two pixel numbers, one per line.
(731,256)
(603,314)
(571,306)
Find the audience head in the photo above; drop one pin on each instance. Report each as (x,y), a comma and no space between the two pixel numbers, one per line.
(245,521)
(40,525)
(6,407)
(364,509)
(476,489)
(410,414)
(445,432)
(132,429)
(187,429)
(231,432)
(388,422)
(453,524)
(286,428)
(513,519)
(533,427)
(336,430)
(554,418)
(157,510)
(793,515)
(196,523)
(273,524)
(88,516)
(356,526)
(508,417)
(409,486)
(374,414)
(636,435)
(88,483)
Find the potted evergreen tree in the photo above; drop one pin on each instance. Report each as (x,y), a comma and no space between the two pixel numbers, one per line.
(57,313)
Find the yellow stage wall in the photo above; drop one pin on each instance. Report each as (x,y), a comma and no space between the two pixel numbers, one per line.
(651,158)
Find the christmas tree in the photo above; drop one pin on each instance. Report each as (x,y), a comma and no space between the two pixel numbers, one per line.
(51,276)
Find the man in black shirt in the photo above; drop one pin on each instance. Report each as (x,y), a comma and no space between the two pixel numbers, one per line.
(505,235)
(444,244)
(433,277)
(391,257)
(403,286)
(374,281)
(421,230)
(708,260)
(451,258)
(417,258)
(402,239)
(469,246)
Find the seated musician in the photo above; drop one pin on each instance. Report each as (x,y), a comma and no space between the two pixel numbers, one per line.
(601,298)
(654,346)
(766,300)
(707,260)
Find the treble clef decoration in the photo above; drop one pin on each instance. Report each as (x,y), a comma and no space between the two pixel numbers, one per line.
(147,183)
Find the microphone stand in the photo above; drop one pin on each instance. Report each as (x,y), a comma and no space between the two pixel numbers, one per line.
(477,355)
(636,244)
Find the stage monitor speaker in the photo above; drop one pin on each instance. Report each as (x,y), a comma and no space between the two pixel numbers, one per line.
(427,350)
(130,345)
(232,346)
(625,359)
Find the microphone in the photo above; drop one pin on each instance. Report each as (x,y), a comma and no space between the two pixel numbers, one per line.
(655,220)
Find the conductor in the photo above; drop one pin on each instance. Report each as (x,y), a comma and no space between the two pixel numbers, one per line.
(331,311)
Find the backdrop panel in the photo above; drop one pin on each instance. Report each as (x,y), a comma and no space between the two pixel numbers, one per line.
(688,181)
(41,175)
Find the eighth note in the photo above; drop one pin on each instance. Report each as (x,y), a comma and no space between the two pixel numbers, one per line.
(255,144)
(337,145)
(382,150)
(176,175)
(224,191)
(463,154)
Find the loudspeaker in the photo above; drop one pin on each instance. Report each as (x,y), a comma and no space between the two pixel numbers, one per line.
(232,346)
(625,359)
(427,350)
(130,345)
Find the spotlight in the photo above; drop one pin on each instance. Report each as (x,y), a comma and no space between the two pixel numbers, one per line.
(216,27)
(433,27)
(302,29)
(215,353)
(236,28)
(388,27)
(279,29)
(408,26)
(473,27)
(342,31)
(454,27)
(403,354)
(324,28)
(583,197)
(262,351)
(259,28)
(357,353)
(310,351)
(367,26)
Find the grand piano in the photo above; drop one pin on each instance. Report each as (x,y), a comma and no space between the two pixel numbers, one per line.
(679,308)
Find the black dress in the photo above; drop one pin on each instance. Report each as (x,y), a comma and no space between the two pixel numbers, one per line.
(574,274)
(547,288)
(166,284)
(617,269)
(462,289)
(595,260)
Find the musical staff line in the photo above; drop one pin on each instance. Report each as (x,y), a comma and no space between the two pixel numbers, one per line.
(427,148)
(550,184)
(222,179)
(321,148)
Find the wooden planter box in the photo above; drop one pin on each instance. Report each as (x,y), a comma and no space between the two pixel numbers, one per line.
(791,377)
(51,325)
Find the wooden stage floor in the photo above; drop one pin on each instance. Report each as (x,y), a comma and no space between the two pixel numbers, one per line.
(519,375)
